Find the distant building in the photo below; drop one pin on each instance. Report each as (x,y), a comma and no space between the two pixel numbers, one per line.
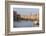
(31,17)
(16,16)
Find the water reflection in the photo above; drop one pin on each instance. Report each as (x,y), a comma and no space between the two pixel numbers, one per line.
(23,23)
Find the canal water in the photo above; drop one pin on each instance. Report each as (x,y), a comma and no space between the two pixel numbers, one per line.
(22,23)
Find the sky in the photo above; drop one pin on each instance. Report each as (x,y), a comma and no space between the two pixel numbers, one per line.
(26,11)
